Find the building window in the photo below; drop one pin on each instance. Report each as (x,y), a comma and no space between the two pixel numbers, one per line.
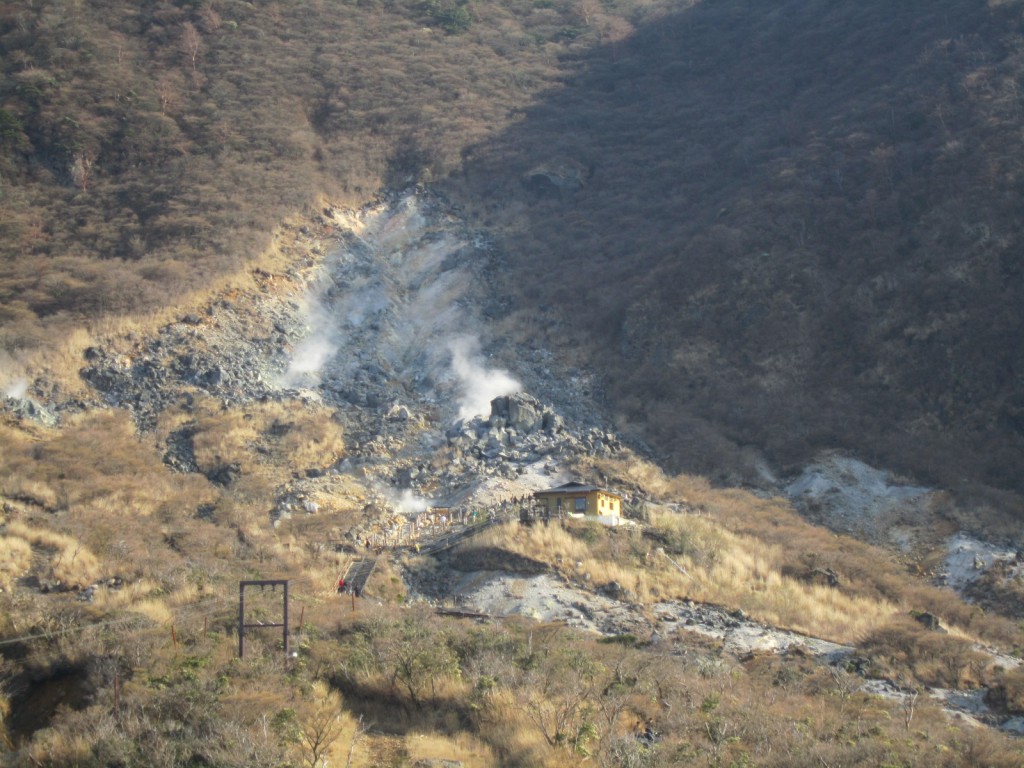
(581,505)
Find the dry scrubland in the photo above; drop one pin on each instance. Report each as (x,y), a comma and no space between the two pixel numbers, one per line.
(391,683)
(58,362)
(756,554)
(147,154)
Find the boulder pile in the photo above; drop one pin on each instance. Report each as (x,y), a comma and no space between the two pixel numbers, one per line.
(519,431)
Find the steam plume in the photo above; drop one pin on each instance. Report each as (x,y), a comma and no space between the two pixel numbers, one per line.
(13,384)
(404,502)
(479,384)
(16,388)
(309,358)
(408,503)
(315,350)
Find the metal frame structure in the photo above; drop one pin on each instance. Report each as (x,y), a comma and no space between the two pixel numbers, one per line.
(242,626)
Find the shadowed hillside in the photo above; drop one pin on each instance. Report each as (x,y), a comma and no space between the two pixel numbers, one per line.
(793,225)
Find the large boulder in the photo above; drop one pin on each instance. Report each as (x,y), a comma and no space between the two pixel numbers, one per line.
(929,621)
(520,412)
(523,415)
(499,408)
(553,422)
(27,408)
(555,180)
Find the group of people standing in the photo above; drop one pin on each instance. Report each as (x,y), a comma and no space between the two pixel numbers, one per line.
(344,587)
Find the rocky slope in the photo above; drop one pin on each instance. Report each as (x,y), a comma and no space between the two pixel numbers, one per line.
(382,322)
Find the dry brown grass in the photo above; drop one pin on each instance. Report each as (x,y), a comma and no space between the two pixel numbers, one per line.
(130,594)
(30,491)
(15,559)
(464,747)
(20,478)
(291,436)
(69,561)
(506,727)
(98,465)
(746,572)
(903,647)
(772,533)
(102,503)
(1008,692)
(629,471)
(156,610)
(721,567)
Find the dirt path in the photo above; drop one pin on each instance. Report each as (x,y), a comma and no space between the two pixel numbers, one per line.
(386,752)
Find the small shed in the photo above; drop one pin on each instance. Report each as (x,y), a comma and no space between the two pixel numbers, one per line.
(580,499)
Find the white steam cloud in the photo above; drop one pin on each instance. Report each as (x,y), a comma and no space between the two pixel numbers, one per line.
(408,503)
(11,381)
(310,356)
(404,501)
(479,384)
(16,388)
(314,351)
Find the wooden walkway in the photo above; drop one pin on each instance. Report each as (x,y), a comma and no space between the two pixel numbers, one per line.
(436,545)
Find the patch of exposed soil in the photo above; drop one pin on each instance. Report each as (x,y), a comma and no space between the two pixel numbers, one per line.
(849,496)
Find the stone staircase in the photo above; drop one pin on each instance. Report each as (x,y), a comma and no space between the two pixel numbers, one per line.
(359,573)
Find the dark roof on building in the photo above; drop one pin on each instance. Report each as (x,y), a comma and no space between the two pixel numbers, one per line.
(575,487)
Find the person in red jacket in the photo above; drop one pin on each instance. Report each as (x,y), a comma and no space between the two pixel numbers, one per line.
(341,585)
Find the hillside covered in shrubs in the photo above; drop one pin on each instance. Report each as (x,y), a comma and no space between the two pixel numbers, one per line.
(807,212)
(736,234)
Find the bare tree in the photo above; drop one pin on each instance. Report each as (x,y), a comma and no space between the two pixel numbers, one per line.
(908,705)
(587,10)
(191,42)
(168,90)
(418,660)
(81,177)
(320,730)
(357,735)
(560,696)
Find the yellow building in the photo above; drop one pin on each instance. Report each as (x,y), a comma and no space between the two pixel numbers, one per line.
(580,499)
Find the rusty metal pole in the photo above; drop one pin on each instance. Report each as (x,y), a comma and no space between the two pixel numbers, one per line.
(286,621)
(241,620)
